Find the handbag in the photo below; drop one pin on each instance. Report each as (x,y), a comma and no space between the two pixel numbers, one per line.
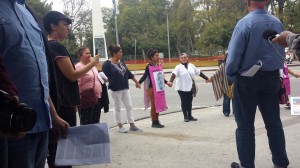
(283,98)
(88,97)
(194,88)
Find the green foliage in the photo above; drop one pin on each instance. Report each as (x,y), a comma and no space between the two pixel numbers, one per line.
(144,22)
(198,27)
(291,15)
(218,20)
(40,7)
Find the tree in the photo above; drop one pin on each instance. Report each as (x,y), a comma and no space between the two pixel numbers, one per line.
(291,15)
(183,25)
(144,21)
(216,22)
(40,7)
(80,13)
(108,21)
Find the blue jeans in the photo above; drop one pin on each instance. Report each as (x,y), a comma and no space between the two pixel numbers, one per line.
(29,151)
(226,104)
(262,90)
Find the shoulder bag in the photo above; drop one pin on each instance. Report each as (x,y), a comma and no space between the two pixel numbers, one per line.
(88,97)
(194,86)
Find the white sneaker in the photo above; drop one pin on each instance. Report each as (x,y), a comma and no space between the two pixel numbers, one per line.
(135,129)
(122,130)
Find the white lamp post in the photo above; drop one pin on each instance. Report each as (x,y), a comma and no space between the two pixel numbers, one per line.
(116,24)
(167,7)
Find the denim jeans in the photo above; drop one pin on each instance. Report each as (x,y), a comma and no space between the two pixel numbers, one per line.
(226,104)
(29,151)
(260,91)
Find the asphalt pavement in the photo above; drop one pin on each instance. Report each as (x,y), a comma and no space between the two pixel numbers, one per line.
(206,143)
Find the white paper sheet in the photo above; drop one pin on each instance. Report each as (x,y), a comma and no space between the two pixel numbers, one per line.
(252,71)
(102,77)
(85,145)
(295,105)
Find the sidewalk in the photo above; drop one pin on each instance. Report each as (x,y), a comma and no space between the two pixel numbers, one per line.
(206,143)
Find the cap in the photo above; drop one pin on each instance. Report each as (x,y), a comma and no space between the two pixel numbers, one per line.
(54,17)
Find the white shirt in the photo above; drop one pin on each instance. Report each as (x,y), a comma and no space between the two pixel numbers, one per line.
(184,76)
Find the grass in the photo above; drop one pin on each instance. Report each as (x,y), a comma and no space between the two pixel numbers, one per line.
(171,65)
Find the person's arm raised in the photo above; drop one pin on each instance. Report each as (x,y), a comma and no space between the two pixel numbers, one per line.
(66,67)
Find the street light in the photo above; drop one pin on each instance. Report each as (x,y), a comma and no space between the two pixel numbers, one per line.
(134,51)
(166,8)
(116,24)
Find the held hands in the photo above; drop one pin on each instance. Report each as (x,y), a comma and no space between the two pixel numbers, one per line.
(209,80)
(170,84)
(281,39)
(297,75)
(137,85)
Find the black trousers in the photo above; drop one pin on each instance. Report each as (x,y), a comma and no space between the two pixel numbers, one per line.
(3,152)
(69,115)
(90,115)
(186,103)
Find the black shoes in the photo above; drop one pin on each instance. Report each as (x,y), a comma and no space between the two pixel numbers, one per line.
(280,166)
(226,114)
(156,124)
(192,119)
(186,119)
(235,165)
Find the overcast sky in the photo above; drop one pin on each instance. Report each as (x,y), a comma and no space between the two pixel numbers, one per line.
(57,4)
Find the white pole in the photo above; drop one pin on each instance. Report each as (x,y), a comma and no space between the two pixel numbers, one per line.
(135,51)
(116,24)
(166,7)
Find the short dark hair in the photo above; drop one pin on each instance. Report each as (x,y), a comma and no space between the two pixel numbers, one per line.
(114,49)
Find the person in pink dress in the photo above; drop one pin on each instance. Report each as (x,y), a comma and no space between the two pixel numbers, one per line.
(286,82)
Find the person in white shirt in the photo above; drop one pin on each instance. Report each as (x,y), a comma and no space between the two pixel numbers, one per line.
(185,73)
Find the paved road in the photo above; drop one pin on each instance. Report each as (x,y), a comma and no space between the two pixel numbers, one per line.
(204,98)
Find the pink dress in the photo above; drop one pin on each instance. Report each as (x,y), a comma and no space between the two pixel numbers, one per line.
(286,80)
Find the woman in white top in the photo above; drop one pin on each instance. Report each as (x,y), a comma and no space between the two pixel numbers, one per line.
(185,73)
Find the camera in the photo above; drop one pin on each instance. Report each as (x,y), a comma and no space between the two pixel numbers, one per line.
(15,117)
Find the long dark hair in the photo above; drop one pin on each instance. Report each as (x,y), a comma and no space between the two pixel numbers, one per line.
(151,52)
(113,49)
